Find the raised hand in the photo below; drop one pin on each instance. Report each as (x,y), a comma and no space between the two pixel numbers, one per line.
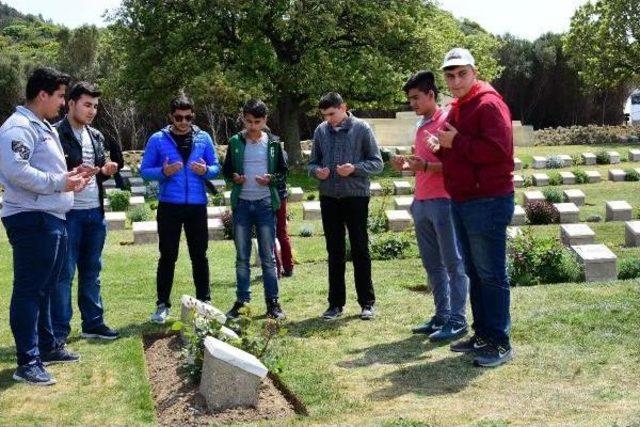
(171,168)
(239,179)
(198,167)
(398,162)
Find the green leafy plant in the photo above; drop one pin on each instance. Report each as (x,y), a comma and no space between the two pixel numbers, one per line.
(603,158)
(555,162)
(227,222)
(594,218)
(119,200)
(389,246)
(631,175)
(541,212)
(553,195)
(555,178)
(311,196)
(577,159)
(629,268)
(527,181)
(581,176)
(140,213)
(306,230)
(377,221)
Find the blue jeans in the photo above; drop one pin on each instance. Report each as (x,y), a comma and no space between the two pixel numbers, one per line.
(441,257)
(87,231)
(481,225)
(39,243)
(246,215)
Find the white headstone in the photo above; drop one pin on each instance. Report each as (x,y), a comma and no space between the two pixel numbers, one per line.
(568,178)
(617,175)
(402,188)
(375,189)
(593,177)
(539,162)
(540,179)
(632,233)
(614,157)
(216,211)
(568,212)
(220,184)
(398,220)
(532,196)
(589,159)
(566,160)
(577,197)
(403,203)
(634,155)
(600,264)
(145,232)
(115,220)
(311,211)
(136,181)
(519,216)
(139,190)
(576,234)
(136,201)
(226,198)
(518,181)
(517,164)
(215,228)
(295,194)
(618,210)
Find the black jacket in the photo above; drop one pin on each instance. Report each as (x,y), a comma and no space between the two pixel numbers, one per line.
(73,152)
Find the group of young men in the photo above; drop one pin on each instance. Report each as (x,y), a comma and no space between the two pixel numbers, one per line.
(54,215)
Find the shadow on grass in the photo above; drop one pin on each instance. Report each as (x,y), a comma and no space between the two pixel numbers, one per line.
(445,376)
(412,349)
(317,326)
(7,355)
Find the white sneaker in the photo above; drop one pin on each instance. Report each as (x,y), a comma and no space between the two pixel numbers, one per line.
(161,314)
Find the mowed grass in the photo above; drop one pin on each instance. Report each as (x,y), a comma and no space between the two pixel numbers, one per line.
(577,345)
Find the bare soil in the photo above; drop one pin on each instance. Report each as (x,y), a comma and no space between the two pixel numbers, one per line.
(178,401)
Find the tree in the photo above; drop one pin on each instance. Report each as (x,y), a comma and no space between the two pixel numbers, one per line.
(78,52)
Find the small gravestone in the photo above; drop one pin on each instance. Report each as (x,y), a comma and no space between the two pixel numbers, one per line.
(540,179)
(566,160)
(115,220)
(568,213)
(539,162)
(519,216)
(106,203)
(255,252)
(136,181)
(145,232)
(589,159)
(398,220)
(295,194)
(634,155)
(375,189)
(632,233)
(404,150)
(231,377)
(311,211)
(402,188)
(517,164)
(306,154)
(215,228)
(600,264)
(403,203)
(220,184)
(593,177)
(568,178)
(617,175)
(576,197)
(109,191)
(110,183)
(576,234)
(614,157)
(518,181)
(138,191)
(533,196)
(618,210)
(136,201)
(216,211)
(513,232)
(192,306)
(126,173)
(226,198)
(405,173)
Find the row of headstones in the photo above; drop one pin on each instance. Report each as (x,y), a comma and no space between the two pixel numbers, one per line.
(568,178)
(230,377)
(540,162)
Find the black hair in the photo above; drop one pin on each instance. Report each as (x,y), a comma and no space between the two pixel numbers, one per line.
(424,81)
(330,100)
(256,108)
(46,79)
(181,102)
(83,88)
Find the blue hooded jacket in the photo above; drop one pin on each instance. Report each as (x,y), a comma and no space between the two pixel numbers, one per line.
(185,186)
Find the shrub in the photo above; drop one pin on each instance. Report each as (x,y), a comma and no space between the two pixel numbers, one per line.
(311,196)
(603,158)
(555,162)
(306,230)
(536,260)
(585,135)
(227,222)
(555,178)
(577,159)
(631,175)
(153,205)
(119,200)
(140,213)
(389,246)
(581,176)
(629,268)
(553,195)
(541,213)
(527,181)
(594,218)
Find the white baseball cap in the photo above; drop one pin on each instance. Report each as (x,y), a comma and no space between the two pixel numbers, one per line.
(457,57)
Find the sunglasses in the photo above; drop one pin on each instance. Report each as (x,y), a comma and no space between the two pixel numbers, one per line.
(179,117)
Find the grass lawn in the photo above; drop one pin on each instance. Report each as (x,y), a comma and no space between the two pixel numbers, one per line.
(577,345)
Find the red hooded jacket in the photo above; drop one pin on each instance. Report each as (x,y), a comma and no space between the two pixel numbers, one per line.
(480,162)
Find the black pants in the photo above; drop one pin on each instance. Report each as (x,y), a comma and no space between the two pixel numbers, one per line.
(351,212)
(171,217)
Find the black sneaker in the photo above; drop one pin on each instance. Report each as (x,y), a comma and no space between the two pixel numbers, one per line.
(102,332)
(332,313)
(493,355)
(367,313)
(473,344)
(234,313)
(449,332)
(33,373)
(429,327)
(287,273)
(59,355)
(274,311)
